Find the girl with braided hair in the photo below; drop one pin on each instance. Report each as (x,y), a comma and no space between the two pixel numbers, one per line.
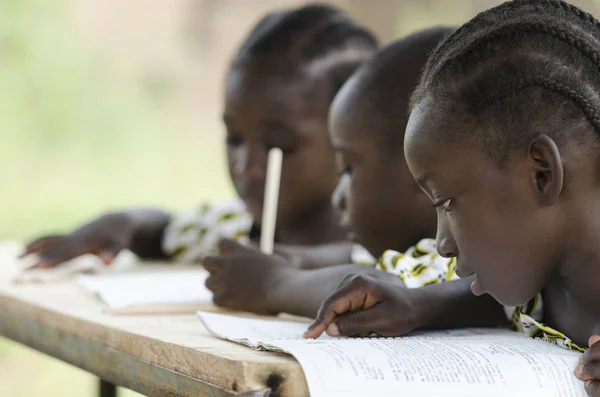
(504,138)
(277,94)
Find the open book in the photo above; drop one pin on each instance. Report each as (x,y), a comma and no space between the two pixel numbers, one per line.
(150,292)
(462,363)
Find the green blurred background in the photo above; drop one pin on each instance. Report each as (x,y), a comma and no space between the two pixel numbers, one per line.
(109,103)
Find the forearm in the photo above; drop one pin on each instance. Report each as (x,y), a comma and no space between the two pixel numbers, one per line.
(147,230)
(301,292)
(452,305)
(321,256)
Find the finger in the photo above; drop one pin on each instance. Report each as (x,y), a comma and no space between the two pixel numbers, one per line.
(213,264)
(589,371)
(40,244)
(592,387)
(109,253)
(337,303)
(64,252)
(591,354)
(227,246)
(380,319)
(212,283)
(221,299)
(593,340)
(351,296)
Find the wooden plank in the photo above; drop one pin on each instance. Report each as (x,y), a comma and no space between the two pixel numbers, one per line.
(175,350)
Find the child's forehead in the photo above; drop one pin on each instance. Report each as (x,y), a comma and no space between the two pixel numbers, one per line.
(275,80)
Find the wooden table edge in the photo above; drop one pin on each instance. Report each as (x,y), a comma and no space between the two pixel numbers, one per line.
(106,362)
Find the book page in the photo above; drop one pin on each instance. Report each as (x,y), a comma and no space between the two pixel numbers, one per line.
(415,367)
(456,363)
(159,288)
(252,332)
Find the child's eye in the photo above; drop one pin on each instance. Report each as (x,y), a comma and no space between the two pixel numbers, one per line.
(446,205)
(233,140)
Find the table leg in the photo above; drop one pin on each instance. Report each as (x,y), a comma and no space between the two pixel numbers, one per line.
(107,389)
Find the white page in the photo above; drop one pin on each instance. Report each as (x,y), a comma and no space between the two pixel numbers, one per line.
(415,367)
(470,363)
(252,332)
(120,291)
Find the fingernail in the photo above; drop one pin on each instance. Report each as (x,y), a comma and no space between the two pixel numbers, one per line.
(587,383)
(579,370)
(333,330)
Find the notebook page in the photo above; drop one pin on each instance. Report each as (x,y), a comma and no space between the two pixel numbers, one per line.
(175,287)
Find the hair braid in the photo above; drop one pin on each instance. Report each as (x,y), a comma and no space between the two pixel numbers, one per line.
(487,18)
(557,32)
(314,34)
(487,68)
(514,88)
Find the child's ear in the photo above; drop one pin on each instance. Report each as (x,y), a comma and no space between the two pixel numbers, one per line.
(548,173)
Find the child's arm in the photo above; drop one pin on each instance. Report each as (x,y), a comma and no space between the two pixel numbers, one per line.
(364,304)
(316,257)
(245,279)
(138,230)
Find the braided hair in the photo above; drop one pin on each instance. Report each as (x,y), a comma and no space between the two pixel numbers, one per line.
(314,37)
(517,70)
(383,85)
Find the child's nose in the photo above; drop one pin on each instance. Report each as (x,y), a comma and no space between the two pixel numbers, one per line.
(445,244)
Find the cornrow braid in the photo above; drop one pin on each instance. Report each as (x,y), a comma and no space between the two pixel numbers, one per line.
(313,34)
(490,17)
(557,32)
(522,68)
(590,111)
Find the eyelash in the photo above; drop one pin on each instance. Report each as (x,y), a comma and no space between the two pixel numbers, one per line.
(445,204)
(233,140)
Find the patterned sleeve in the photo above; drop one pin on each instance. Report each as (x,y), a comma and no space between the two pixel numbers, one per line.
(419,266)
(192,235)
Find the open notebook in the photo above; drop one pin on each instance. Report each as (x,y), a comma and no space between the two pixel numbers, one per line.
(462,363)
(150,292)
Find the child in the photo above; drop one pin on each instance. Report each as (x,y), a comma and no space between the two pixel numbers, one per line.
(503,138)
(278,91)
(367,125)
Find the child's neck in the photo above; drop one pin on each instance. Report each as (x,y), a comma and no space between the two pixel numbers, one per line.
(572,300)
(321,228)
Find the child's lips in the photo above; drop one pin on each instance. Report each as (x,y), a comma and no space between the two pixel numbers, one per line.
(462,272)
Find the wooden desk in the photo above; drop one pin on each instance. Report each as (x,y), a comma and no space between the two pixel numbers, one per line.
(166,355)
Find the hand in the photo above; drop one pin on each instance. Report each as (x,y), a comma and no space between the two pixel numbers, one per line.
(363,305)
(588,369)
(104,237)
(242,277)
